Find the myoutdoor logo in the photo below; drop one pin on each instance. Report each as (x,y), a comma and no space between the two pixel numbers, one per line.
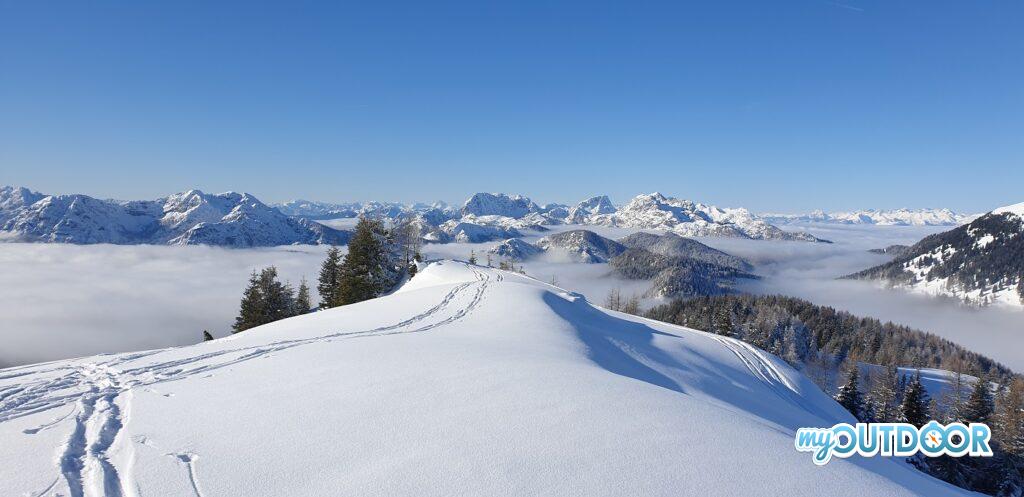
(894,439)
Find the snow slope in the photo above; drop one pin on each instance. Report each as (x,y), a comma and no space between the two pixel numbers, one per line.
(466,381)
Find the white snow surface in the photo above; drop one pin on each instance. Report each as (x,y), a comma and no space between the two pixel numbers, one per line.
(466,381)
(1015,209)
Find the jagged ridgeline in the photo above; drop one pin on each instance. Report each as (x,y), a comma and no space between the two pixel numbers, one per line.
(771,322)
(187,218)
(981,263)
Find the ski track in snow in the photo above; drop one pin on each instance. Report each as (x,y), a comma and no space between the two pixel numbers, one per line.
(95,388)
(760,366)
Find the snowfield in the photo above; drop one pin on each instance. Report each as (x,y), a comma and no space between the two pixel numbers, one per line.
(466,381)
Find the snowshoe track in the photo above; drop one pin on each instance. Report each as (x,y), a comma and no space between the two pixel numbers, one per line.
(100,393)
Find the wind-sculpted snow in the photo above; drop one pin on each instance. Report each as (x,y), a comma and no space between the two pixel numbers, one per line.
(467,380)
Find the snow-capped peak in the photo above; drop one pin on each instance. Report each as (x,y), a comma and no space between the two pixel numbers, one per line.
(499,204)
(689,218)
(583,212)
(891,217)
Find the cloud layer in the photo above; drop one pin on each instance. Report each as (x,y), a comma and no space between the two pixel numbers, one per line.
(61,301)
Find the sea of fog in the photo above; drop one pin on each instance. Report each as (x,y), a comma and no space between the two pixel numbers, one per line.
(809,271)
(60,301)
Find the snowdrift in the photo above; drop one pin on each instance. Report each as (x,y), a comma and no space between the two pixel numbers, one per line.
(466,381)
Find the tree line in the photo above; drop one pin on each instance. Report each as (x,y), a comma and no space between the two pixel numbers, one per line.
(824,343)
(378,258)
(889,397)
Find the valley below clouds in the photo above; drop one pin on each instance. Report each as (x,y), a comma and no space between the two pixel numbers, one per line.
(62,300)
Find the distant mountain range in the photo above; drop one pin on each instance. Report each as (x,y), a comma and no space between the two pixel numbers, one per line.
(894,217)
(981,263)
(514,212)
(241,220)
(187,218)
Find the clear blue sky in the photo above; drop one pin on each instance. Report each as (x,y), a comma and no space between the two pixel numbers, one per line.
(772,105)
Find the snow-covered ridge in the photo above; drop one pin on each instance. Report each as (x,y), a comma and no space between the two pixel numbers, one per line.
(893,217)
(441,388)
(187,218)
(688,218)
(326,210)
(978,263)
(516,212)
(241,220)
(1015,209)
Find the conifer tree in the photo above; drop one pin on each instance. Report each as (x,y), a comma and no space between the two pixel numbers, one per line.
(362,272)
(1008,428)
(327,286)
(249,315)
(849,396)
(302,301)
(979,406)
(207,336)
(883,396)
(723,322)
(914,408)
(278,297)
(264,301)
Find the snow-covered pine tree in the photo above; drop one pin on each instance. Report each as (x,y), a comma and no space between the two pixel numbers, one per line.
(914,408)
(302,300)
(883,395)
(327,285)
(849,395)
(723,321)
(979,406)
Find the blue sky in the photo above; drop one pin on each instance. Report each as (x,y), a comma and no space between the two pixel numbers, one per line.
(771,105)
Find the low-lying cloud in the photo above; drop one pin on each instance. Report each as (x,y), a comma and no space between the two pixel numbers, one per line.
(60,301)
(809,271)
